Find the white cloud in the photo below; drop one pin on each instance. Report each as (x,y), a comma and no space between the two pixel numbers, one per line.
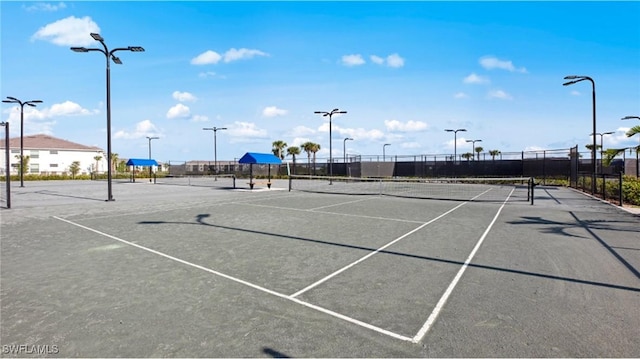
(298,141)
(490,63)
(206,58)
(41,6)
(475,79)
(499,94)
(143,129)
(66,108)
(241,54)
(410,145)
(211,57)
(377,59)
(410,126)
(460,95)
(71,31)
(534,148)
(352,60)
(358,134)
(178,111)
(183,96)
(199,118)
(299,131)
(273,111)
(575,93)
(245,130)
(207,74)
(394,60)
(617,138)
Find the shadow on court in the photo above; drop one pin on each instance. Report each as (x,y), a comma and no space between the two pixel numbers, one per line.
(590,226)
(200,221)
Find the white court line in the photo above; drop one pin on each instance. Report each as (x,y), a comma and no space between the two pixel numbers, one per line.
(331,213)
(254,286)
(381,248)
(340,204)
(436,311)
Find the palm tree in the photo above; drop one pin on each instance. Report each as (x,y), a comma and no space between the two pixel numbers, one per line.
(309,148)
(479,149)
(25,161)
(611,153)
(114,161)
(293,151)
(494,153)
(590,147)
(97,158)
(278,148)
(467,156)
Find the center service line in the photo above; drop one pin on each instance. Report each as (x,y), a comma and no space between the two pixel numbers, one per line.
(436,311)
(254,286)
(381,248)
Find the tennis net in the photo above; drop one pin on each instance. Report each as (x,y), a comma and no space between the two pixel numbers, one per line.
(455,189)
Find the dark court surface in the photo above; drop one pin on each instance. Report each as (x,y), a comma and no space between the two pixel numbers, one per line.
(196,268)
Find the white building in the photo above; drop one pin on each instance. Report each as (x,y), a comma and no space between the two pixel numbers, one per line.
(51,155)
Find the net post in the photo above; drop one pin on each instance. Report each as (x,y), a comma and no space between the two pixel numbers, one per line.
(290,182)
(530,192)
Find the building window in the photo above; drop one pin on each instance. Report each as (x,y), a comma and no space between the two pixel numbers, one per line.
(15,151)
(53,165)
(34,168)
(35,154)
(53,152)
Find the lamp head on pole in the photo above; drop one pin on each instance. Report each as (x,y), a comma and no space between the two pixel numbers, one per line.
(97,37)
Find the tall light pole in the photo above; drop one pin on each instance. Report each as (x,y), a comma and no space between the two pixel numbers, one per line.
(383,151)
(455,140)
(31,103)
(344,148)
(473,142)
(108,54)
(602,148)
(7,170)
(150,138)
(330,114)
(637,148)
(215,151)
(575,79)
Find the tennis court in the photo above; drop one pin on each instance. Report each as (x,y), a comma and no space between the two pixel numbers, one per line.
(203,269)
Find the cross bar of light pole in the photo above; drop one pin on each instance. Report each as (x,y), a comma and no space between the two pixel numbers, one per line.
(109,54)
(215,150)
(455,142)
(344,149)
(575,79)
(31,103)
(330,114)
(474,148)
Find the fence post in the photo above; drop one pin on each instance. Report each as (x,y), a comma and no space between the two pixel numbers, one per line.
(620,192)
(604,187)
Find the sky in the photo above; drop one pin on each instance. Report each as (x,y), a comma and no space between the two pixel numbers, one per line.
(403,71)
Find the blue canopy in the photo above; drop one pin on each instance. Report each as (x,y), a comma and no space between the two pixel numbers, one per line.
(141,162)
(260,158)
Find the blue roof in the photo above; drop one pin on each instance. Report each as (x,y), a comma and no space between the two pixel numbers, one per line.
(141,162)
(260,158)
